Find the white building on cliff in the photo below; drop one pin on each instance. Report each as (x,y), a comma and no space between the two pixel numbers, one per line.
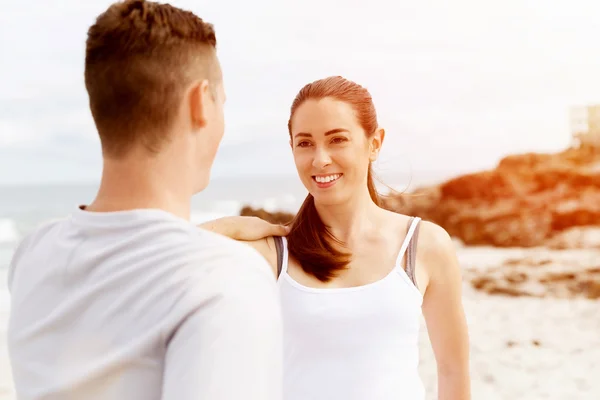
(585,125)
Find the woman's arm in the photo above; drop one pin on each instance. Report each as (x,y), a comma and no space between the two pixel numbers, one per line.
(444,314)
(244,228)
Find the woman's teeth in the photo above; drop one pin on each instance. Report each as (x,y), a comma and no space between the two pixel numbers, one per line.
(327,178)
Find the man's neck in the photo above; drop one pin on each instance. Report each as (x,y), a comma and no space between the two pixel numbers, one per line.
(142,184)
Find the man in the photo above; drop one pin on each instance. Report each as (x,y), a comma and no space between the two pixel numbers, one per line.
(126,299)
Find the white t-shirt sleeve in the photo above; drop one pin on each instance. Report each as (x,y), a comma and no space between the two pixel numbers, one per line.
(229,346)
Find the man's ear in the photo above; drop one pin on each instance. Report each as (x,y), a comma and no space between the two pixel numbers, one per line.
(199,96)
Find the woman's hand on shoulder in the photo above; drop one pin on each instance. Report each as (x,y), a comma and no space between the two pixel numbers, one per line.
(244,228)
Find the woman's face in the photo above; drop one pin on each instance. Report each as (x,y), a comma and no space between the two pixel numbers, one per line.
(331,150)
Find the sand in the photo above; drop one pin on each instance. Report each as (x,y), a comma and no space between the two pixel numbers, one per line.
(521,347)
(524,347)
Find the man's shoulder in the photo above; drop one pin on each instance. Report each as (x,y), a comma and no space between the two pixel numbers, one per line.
(214,266)
(38,233)
(29,240)
(214,249)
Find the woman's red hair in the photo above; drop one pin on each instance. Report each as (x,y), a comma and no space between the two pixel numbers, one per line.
(310,241)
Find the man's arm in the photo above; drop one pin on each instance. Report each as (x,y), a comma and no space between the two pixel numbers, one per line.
(230,345)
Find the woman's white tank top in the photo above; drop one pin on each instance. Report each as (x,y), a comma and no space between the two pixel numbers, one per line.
(357,343)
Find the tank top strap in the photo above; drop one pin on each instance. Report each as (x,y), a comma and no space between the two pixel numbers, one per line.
(411,253)
(412,226)
(282,254)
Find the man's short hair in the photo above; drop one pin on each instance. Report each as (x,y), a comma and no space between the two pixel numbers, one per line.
(140,57)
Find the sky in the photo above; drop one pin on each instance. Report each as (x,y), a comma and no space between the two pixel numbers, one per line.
(457,85)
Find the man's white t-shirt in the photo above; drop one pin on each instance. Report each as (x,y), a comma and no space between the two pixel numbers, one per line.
(141,305)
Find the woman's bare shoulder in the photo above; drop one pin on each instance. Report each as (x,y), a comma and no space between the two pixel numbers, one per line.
(436,249)
(435,237)
(434,244)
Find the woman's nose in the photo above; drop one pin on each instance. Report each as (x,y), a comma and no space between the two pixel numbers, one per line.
(321,158)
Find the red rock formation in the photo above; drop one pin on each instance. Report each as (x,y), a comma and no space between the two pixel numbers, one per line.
(525,201)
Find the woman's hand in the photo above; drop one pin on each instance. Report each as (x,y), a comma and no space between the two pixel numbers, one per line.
(245,228)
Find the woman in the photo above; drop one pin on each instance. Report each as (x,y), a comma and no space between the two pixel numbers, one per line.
(353,277)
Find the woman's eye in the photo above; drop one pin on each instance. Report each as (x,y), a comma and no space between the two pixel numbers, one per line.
(338,140)
(303,144)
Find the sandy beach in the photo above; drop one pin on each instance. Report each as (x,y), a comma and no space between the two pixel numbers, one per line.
(525,347)
(521,347)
